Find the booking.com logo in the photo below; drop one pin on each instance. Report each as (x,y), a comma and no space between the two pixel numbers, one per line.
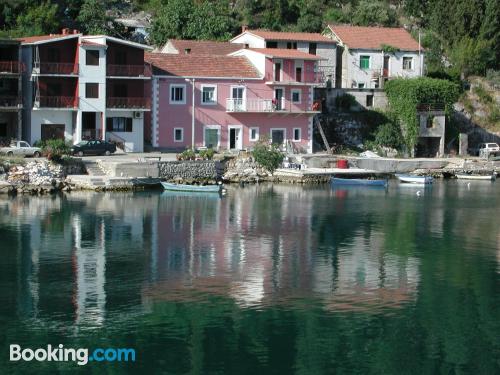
(80,356)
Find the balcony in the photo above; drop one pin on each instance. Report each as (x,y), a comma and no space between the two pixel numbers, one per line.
(128,70)
(128,103)
(56,102)
(431,107)
(269,106)
(56,68)
(11,67)
(10,102)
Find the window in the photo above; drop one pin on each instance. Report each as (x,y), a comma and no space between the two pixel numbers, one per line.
(53,55)
(364,62)
(296,134)
(177,94)
(296,96)
(369,100)
(291,45)
(407,63)
(271,44)
(119,124)
(312,48)
(120,57)
(91,90)
(178,135)
(208,94)
(361,85)
(92,57)
(211,136)
(254,134)
(429,122)
(298,71)
(277,71)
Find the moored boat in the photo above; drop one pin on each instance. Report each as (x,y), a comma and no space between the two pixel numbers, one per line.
(408,178)
(357,182)
(192,188)
(489,177)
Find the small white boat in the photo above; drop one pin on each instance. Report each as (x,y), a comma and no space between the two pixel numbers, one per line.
(192,188)
(464,176)
(408,178)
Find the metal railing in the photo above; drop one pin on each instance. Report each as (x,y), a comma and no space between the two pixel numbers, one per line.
(128,102)
(269,105)
(56,68)
(128,70)
(13,67)
(430,107)
(57,102)
(10,101)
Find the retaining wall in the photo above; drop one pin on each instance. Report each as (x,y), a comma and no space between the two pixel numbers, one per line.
(190,170)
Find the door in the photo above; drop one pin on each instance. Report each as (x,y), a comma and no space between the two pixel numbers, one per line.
(279,97)
(235,139)
(89,125)
(238,96)
(52,131)
(211,138)
(278,136)
(387,60)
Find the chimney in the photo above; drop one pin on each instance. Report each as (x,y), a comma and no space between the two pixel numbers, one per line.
(187,51)
(65,31)
(244,28)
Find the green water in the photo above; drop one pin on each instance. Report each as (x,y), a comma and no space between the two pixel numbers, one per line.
(267,280)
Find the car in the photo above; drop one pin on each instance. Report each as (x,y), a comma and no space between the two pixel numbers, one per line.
(485,149)
(93,147)
(21,148)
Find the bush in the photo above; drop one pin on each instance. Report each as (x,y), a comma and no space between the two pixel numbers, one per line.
(389,135)
(345,102)
(187,154)
(483,95)
(207,154)
(268,156)
(54,149)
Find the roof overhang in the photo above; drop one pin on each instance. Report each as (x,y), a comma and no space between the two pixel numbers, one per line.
(51,40)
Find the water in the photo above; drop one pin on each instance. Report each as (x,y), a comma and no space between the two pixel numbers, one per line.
(268,280)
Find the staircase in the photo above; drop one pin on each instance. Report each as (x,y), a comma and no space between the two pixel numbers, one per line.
(317,122)
(94,169)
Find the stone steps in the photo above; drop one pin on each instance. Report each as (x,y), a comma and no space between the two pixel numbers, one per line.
(93,169)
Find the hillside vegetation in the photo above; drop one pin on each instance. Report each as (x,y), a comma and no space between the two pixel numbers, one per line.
(461,37)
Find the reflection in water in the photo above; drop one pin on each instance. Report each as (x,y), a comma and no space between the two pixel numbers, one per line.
(280,279)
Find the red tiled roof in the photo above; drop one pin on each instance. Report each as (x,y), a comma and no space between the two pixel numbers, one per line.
(205,47)
(93,44)
(291,36)
(43,38)
(201,65)
(374,37)
(283,53)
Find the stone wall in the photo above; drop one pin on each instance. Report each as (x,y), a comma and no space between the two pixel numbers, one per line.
(190,170)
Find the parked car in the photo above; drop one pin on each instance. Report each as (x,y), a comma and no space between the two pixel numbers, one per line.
(485,149)
(93,147)
(21,148)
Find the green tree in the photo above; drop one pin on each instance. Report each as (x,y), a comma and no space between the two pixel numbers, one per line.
(472,56)
(171,21)
(38,20)
(93,18)
(374,13)
(210,21)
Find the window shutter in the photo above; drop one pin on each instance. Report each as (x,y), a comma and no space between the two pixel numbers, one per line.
(129,125)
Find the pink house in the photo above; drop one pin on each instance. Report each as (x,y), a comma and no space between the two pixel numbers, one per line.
(239,99)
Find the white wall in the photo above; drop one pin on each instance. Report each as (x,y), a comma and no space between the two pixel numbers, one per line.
(258,60)
(92,74)
(39,117)
(356,75)
(134,141)
(252,40)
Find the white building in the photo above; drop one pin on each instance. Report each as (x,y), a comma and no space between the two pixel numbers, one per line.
(311,43)
(369,55)
(85,87)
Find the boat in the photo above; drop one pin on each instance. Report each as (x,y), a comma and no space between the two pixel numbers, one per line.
(489,177)
(408,178)
(192,188)
(357,181)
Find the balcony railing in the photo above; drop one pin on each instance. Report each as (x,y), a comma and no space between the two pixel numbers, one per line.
(56,68)
(12,67)
(129,103)
(269,105)
(10,101)
(57,102)
(128,70)
(430,107)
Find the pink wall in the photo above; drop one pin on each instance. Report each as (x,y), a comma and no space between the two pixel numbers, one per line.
(172,116)
(288,70)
